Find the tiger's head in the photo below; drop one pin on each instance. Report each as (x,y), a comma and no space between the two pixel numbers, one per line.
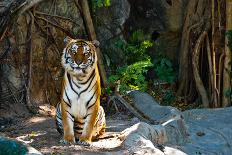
(79,56)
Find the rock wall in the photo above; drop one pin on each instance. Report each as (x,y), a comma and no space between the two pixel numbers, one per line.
(163,17)
(51,21)
(123,17)
(109,23)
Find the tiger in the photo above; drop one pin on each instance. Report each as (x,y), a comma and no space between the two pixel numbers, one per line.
(79,116)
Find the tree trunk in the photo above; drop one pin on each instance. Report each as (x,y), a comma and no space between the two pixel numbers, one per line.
(92,36)
(227,65)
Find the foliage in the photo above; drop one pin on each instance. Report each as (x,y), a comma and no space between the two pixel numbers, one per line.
(168,98)
(132,76)
(106,91)
(135,48)
(164,70)
(99,3)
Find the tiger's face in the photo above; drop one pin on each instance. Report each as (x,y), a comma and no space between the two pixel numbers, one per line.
(79,56)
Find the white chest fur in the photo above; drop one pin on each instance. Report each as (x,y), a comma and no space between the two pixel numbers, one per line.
(79,95)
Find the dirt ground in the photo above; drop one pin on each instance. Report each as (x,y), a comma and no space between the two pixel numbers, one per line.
(39,131)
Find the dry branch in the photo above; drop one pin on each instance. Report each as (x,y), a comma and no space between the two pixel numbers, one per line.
(27,5)
(29,52)
(129,107)
(56,16)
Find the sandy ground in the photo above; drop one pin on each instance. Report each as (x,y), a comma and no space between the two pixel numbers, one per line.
(40,132)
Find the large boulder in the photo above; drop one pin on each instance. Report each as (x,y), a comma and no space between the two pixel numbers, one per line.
(154,113)
(210,131)
(197,131)
(13,147)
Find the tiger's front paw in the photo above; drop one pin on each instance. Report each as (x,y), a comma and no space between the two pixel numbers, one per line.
(62,141)
(68,139)
(84,143)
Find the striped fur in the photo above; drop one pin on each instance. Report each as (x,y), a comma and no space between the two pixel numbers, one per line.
(79,114)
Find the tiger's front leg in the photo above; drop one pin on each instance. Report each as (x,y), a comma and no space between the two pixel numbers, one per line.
(86,136)
(68,124)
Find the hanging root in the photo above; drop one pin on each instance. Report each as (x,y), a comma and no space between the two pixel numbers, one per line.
(195,62)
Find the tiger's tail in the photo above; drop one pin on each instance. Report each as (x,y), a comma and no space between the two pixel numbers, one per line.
(59,124)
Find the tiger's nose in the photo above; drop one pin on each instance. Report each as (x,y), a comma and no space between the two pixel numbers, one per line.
(78,62)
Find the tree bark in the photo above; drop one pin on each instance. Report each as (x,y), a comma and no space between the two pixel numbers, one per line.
(227,61)
(92,36)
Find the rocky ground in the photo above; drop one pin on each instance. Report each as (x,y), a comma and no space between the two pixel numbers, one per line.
(193,132)
(39,131)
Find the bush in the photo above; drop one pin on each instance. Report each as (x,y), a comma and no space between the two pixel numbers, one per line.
(131,75)
(136,48)
(164,70)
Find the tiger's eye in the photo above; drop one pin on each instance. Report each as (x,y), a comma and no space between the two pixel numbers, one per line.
(86,54)
(74,48)
(70,60)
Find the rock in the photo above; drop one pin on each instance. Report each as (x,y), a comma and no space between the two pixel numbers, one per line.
(13,147)
(168,116)
(143,138)
(199,131)
(156,134)
(110,20)
(159,16)
(149,107)
(142,98)
(210,131)
(109,23)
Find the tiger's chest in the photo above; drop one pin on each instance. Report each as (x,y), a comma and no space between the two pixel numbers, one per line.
(78,105)
(79,96)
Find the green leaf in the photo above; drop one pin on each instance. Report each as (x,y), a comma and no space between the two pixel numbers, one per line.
(107,3)
(165,71)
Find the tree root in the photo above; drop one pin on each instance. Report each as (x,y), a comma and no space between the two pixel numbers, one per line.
(195,59)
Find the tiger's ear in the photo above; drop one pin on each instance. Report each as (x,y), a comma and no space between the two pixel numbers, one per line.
(96,43)
(67,39)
